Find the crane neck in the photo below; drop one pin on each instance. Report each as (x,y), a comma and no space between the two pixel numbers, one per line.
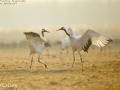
(66,32)
(42,33)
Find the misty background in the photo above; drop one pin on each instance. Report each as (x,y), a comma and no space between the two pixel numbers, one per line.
(102,16)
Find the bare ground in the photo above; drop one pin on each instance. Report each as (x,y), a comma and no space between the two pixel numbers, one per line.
(101,71)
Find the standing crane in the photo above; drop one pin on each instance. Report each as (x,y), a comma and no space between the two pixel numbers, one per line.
(65,44)
(83,42)
(36,43)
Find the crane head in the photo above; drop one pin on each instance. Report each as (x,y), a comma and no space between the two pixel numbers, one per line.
(43,30)
(62,28)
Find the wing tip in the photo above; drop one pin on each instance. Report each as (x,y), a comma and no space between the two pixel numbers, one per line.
(110,40)
(24,33)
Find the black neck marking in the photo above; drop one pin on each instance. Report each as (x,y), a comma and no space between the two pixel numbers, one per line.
(43,33)
(66,32)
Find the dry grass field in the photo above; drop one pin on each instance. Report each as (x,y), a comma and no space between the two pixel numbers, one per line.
(101,70)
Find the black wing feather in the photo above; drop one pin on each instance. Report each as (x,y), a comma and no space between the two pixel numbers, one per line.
(86,47)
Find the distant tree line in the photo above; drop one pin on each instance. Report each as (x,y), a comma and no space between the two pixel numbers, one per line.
(24,43)
(21,44)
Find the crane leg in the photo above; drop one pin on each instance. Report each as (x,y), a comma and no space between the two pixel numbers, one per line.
(66,53)
(30,53)
(41,62)
(61,52)
(73,60)
(81,59)
(31,61)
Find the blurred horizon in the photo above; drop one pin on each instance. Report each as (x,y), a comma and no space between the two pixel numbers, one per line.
(16,35)
(102,16)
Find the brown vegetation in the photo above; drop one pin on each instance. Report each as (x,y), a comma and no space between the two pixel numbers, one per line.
(101,70)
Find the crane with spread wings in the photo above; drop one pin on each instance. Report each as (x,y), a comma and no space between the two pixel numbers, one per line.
(36,43)
(84,41)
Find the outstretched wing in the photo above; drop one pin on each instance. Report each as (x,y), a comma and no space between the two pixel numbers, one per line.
(31,35)
(35,41)
(71,32)
(92,37)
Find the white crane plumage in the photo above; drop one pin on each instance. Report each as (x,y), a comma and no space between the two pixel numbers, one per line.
(36,43)
(65,44)
(83,42)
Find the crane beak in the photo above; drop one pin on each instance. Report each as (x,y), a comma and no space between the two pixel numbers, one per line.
(46,31)
(59,29)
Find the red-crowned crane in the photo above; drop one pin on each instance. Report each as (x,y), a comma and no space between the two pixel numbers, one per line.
(84,41)
(36,43)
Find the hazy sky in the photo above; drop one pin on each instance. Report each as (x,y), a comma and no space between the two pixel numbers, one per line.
(37,14)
